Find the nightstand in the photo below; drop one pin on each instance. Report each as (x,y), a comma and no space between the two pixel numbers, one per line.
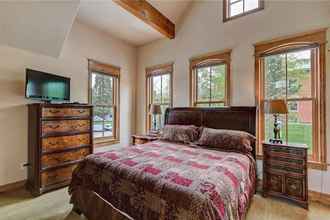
(285,172)
(142,139)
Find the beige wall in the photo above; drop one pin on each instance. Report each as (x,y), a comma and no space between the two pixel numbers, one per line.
(203,31)
(82,43)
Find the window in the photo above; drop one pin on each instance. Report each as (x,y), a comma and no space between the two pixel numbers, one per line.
(209,79)
(104,96)
(293,69)
(237,8)
(159,91)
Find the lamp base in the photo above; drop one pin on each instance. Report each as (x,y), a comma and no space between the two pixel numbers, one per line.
(275,141)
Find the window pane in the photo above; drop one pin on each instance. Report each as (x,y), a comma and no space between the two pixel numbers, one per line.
(275,79)
(299,74)
(102,86)
(97,81)
(236,8)
(108,121)
(98,122)
(251,4)
(218,82)
(165,88)
(107,91)
(157,89)
(300,120)
(203,84)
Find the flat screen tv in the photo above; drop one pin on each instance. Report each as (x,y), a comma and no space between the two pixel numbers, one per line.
(46,86)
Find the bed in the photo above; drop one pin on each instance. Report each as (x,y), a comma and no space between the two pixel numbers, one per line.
(166,180)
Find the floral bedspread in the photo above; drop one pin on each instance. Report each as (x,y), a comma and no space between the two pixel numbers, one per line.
(162,180)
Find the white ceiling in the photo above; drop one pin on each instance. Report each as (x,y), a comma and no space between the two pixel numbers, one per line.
(107,16)
(37,26)
(42,26)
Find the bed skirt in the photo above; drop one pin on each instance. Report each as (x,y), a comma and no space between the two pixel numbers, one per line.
(94,207)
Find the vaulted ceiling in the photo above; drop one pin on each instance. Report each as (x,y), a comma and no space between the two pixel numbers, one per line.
(42,26)
(111,18)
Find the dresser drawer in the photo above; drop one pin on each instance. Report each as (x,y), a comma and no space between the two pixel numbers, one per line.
(65,112)
(64,126)
(57,175)
(50,160)
(294,187)
(275,182)
(63,142)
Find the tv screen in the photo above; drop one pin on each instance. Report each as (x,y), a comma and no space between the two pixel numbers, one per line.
(46,87)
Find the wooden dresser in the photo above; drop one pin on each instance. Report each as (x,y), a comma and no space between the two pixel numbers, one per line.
(285,172)
(59,137)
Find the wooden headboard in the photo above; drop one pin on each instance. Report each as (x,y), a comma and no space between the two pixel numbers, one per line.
(234,118)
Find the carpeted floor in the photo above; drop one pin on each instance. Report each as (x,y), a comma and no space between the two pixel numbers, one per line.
(19,205)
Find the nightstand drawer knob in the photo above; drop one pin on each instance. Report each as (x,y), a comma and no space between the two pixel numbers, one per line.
(293,186)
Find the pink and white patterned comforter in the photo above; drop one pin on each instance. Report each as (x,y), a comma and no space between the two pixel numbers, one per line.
(162,180)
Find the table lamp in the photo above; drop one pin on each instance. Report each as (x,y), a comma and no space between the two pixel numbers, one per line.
(276,107)
(155,110)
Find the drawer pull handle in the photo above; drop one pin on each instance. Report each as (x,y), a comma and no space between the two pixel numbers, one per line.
(53,143)
(54,111)
(63,161)
(54,126)
(81,111)
(82,140)
(79,126)
(293,186)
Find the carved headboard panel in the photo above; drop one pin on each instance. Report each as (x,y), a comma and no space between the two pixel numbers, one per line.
(234,118)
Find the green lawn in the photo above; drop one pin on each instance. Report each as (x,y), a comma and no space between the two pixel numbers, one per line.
(298,133)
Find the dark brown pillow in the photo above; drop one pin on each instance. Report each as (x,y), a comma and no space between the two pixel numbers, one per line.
(180,133)
(229,140)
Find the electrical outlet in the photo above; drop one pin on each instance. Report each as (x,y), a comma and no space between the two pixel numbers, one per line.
(23,166)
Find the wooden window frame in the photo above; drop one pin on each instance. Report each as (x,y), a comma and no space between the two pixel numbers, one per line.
(226,10)
(312,39)
(114,71)
(156,70)
(216,58)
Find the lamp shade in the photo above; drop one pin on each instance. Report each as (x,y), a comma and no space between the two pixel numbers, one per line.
(276,106)
(155,109)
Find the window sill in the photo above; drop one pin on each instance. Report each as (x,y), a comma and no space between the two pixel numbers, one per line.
(102,142)
(317,165)
(311,164)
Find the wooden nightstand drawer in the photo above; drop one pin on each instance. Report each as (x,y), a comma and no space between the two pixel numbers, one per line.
(275,182)
(287,160)
(294,187)
(284,151)
(284,168)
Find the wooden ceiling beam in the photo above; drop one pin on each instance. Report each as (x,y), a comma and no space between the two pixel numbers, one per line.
(150,15)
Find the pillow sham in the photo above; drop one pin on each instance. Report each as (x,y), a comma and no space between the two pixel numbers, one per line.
(229,140)
(180,133)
